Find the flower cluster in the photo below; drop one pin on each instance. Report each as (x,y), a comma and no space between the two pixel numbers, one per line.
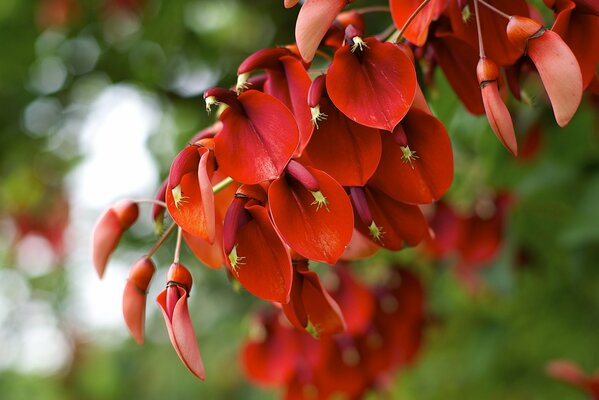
(321,166)
(384,332)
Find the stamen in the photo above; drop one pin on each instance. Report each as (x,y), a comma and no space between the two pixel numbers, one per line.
(317,115)
(359,43)
(408,155)
(320,201)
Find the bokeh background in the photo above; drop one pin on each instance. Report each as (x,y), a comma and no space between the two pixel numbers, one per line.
(97,96)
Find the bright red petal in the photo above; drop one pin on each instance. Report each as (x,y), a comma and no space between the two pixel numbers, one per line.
(182,334)
(417,31)
(423,179)
(209,254)
(323,312)
(347,151)
(256,141)
(383,84)
(317,232)
(359,247)
(264,268)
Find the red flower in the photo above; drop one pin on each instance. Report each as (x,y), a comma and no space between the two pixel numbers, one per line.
(253,251)
(173,303)
(134,297)
(310,307)
(108,231)
(311,212)
(383,81)
(258,137)
(570,373)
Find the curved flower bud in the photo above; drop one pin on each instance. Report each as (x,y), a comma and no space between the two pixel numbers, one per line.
(134,297)
(497,113)
(383,82)
(173,303)
(555,62)
(108,231)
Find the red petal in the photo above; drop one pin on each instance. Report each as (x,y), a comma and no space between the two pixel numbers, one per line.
(359,247)
(209,254)
(291,86)
(568,372)
(399,222)
(576,28)
(497,46)
(105,237)
(323,313)
(559,72)
(417,31)
(383,84)
(270,360)
(182,334)
(256,143)
(134,311)
(319,234)
(458,61)
(313,21)
(265,269)
(499,117)
(195,212)
(347,151)
(424,179)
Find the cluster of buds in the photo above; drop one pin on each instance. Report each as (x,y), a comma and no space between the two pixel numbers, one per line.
(383,335)
(321,166)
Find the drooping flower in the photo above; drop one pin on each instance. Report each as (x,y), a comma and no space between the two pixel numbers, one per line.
(173,303)
(134,297)
(310,306)
(108,231)
(498,115)
(555,62)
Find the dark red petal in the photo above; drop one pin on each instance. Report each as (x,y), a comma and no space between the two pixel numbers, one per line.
(499,117)
(185,162)
(458,61)
(497,47)
(347,151)
(182,334)
(323,312)
(256,144)
(105,237)
(263,59)
(134,311)
(264,267)
(195,211)
(425,178)
(383,84)
(291,85)
(399,222)
(575,27)
(317,232)
(313,21)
